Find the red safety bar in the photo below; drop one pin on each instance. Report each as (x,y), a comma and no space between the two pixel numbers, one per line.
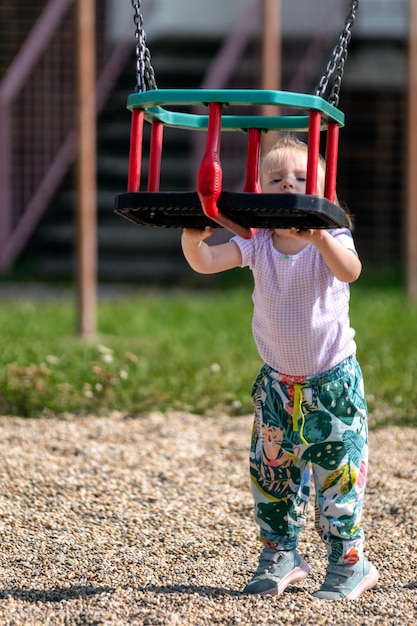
(155,153)
(135,153)
(252,182)
(209,182)
(313,150)
(332,145)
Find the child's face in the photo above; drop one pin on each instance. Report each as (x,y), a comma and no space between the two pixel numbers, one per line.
(285,172)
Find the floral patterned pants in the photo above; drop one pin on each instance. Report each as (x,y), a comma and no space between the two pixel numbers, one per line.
(303,427)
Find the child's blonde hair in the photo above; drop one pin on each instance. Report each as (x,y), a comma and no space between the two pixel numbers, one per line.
(287,142)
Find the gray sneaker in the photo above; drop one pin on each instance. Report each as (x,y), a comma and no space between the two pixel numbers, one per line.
(276,570)
(347,581)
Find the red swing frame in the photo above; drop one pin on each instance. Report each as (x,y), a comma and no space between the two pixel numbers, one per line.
(146,106)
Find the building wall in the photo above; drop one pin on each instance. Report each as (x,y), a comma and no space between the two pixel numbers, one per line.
(375,18)
(197,18)
(383,18)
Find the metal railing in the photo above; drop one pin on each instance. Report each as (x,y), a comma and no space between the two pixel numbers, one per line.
(37,119)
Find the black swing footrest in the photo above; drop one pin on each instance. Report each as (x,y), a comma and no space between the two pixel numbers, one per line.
(251,210)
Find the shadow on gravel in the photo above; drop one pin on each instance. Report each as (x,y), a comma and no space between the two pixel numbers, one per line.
(201,590)
(53,595)
(411,585)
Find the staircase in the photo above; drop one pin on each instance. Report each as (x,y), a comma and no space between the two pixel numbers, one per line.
(126,252)
(132,253)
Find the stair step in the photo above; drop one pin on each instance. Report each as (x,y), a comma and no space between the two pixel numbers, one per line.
(134,237)
(145,270)
(111,168)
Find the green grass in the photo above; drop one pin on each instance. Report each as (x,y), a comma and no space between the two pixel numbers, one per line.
(184,351)
(385,326)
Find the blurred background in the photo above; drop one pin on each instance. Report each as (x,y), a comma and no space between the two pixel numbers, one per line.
(187,39)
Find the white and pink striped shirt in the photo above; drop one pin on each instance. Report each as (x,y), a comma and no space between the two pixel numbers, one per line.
(301,320)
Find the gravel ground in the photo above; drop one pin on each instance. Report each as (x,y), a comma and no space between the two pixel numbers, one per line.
(148,520)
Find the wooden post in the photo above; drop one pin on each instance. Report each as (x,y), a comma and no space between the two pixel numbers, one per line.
(271,60)
(86,196)
(411,229)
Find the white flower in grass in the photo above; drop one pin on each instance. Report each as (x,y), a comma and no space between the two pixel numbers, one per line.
(64,387)
(106,353)
(215,368)
(123,375)
(87,391)
(52,359)
(104,350)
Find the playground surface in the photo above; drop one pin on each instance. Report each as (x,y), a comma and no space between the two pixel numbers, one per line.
(147,520)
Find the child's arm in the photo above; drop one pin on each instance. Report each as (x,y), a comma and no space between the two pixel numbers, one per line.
(343,262)
(208,259)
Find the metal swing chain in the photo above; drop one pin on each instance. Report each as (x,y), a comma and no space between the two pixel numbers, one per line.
(337,63)
(145,75)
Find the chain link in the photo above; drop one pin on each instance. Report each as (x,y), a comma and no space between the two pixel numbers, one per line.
(145,75)
(336,65)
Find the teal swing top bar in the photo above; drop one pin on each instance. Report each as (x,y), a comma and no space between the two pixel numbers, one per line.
(154,101)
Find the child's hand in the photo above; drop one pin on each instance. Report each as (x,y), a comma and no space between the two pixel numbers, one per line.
(343,262)
(195,236)
(207,259)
